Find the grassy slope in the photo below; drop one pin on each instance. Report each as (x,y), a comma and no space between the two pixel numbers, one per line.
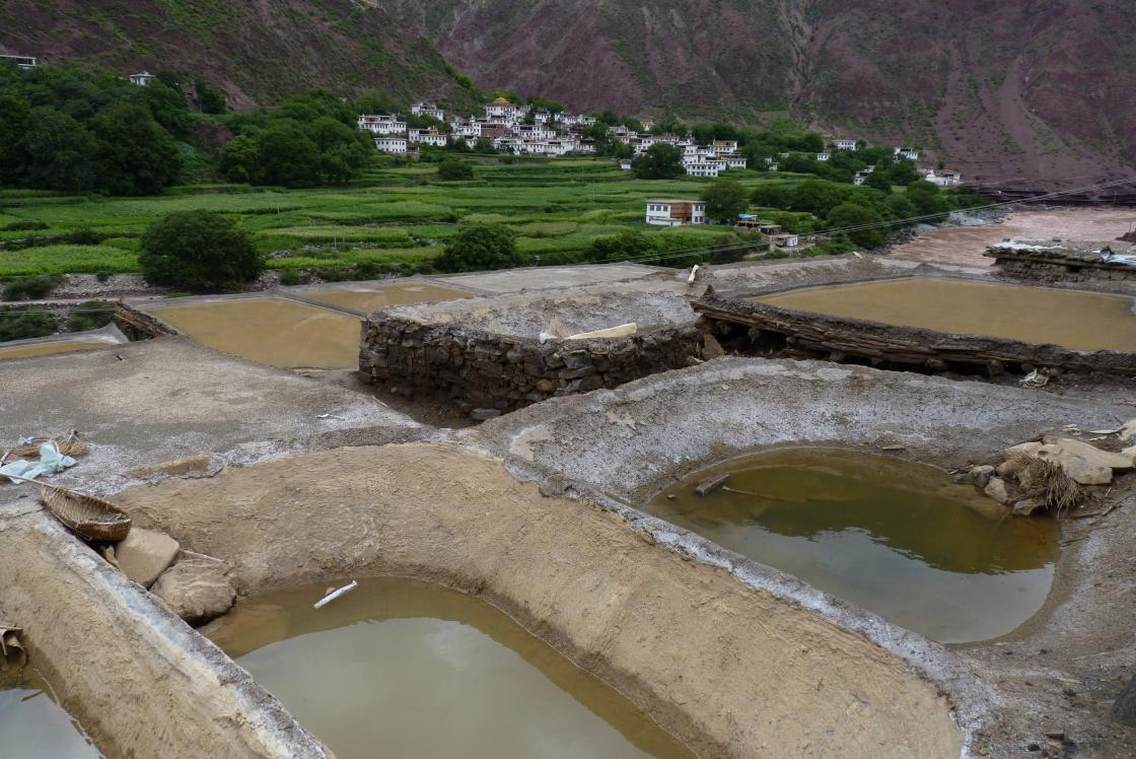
(398,215)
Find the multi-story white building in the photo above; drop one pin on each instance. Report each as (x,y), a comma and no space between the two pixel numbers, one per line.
(382,123)
(428,109)
(674,213)
(844,144)
(465,128)
(943,177)
(735,161)
(426,137)
(710,168)
(21,61)
(391,144)
(721,147)
(910,154)
(534,131)
(503,111)
(824,156)
(142,79)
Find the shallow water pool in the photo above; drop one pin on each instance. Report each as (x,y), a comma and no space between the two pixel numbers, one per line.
(895,538)
(33,726)
(1042,315)
(408,669)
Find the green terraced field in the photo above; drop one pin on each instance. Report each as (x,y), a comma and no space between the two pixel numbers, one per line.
(396,215)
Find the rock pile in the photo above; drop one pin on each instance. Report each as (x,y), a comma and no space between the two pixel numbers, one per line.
(1053,474)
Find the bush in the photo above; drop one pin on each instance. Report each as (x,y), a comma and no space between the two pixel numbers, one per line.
(90,314)
(621,247)
(725,199)
(454,169)
(290,277)
(84,236)
(480,248)
(24,226)
(30,288)
(660,161)
(21,324)
(198,251)
(848,215)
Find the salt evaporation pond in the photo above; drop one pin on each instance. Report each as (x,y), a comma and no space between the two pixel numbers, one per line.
(33,726)
(895,538)
(1043,315)
(404,668)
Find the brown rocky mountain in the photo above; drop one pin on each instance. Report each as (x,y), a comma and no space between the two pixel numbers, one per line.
(1029,91)
(1036,92)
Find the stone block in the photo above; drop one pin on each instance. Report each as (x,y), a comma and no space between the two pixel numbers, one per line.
(145,554)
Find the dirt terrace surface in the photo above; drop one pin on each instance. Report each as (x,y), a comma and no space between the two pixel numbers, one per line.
(549,277)
(138,680)
(965,245)
(648,303)
(163,399)
(1059,673)
(730,670)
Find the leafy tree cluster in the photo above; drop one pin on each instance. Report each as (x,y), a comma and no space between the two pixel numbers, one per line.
(660,161)
(725,199)
(848,207)
(311,139)
(454,169)
(75,130)
(199,251)
(479,248)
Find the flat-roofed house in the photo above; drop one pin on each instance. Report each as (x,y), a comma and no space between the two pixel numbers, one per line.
(674,213)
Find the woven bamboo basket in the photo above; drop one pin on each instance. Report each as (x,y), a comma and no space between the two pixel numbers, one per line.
(88,516)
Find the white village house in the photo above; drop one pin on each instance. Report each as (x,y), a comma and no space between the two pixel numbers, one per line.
(428,109)
(943,177)
(844,144)
(430,137)
(21,61)
(143,79)
(910,154)
(674,213)
(382,123)
(392,144)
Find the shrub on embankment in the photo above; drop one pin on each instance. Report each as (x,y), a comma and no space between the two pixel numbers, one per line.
(200,252)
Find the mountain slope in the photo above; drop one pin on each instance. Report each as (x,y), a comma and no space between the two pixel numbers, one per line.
(1033,91)
(257,50)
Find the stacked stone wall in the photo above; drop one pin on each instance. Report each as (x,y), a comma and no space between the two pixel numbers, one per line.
(480,369)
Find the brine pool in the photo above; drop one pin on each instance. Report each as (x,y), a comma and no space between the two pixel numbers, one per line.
(1042,315)
(404,668)
(33,726)
(899,539)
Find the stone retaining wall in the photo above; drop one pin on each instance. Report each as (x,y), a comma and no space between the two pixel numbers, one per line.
(482,369)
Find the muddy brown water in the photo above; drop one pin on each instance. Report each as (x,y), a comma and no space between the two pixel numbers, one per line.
(1069,318)
(273,331)
(405,668)
(46,349)
(899,539)
(33,726)
(367,299)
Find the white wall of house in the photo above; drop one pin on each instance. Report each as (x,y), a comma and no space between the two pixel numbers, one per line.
(396,145)
(381,123)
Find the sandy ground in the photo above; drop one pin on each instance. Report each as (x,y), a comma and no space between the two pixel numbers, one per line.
(965,245)
(163,399)
(729,670)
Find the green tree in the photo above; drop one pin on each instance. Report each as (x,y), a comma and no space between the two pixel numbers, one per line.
(818,197)
(853,215)
(287,156)
(239,159)
(772,195)
(926,198)
(341,152)
(135,155)
(168,107)
(479,248)
(725,199)
(660,161)
(56,152)
(210,99)
(454,169)
(199,251)
(879,180)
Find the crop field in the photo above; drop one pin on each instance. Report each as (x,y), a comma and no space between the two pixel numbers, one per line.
(394,216)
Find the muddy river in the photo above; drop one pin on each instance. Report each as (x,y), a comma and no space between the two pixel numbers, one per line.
(272,331)
(32,726)
(366,299)
(898,539)
(29,350)
(403,668)
(1069,318)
